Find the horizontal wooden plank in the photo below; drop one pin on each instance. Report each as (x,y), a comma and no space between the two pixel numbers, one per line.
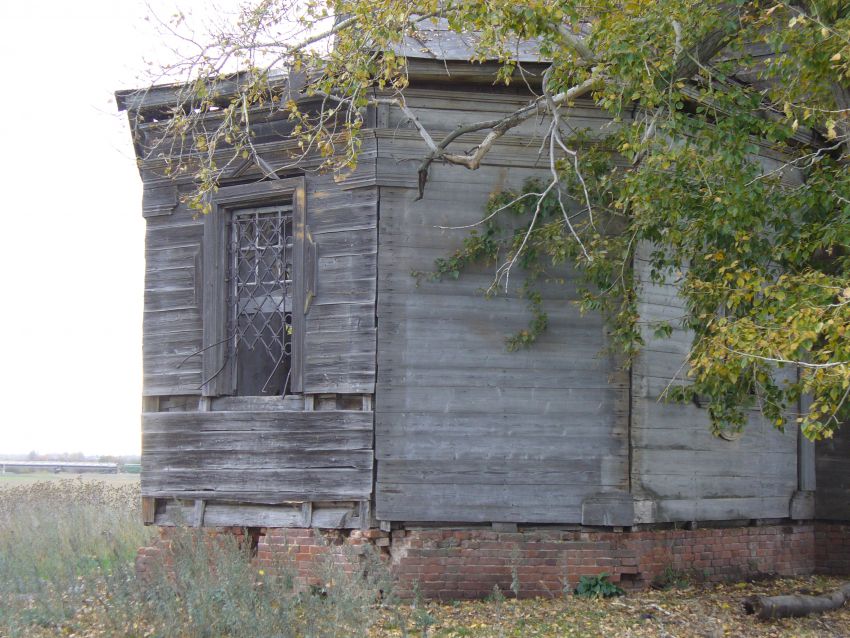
(166,384)
(173,299)
(340,344)
(719,509)
(573,441)
(335,290)
(475,334)
(258,458)
(664,413)
(290,402)
(577,471)
(185,343)
(698,436)
(259,486)
(347,242)
(167,237)
(473,503)
(176,257)
(167,321)
(284,422)
(698,486)
(743,464)
(169,381)
(348,266)
(325,516)
(472,283)
(587,373)
(339,379)
(438,425)
(343,214)
(442,355)
(260,442)
(502,400)
(170,278)
(336,317)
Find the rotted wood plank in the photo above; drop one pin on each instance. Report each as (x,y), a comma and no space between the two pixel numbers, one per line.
(259,486)
(148,510)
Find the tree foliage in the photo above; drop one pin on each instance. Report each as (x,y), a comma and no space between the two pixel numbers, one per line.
(697,92)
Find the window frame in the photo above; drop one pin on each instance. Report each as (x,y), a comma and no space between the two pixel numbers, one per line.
(218,366)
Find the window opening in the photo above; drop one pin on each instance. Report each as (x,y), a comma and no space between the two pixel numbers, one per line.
(261,299)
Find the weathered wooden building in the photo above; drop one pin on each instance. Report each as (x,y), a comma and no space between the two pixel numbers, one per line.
(296,376)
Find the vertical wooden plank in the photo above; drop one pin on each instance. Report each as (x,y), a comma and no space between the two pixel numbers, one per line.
(198,513)
(307,514)
(311,270)
(365,514)
(148,510)
(806,481)
(214,314)
(299,324)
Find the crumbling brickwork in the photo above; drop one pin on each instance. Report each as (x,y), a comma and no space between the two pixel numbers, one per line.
(462,563)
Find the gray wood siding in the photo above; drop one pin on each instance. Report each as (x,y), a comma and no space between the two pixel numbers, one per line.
(172,329)
(466,431)
(258,457)
(340,325)
(340,342)
(832,467)
(676,461)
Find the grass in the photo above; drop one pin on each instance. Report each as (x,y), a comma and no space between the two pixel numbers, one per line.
(67,549)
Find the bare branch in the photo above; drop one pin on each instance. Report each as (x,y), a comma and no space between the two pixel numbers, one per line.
(472,159)
(799,364)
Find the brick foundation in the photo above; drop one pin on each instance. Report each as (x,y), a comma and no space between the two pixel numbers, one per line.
(832,549)
(456,563)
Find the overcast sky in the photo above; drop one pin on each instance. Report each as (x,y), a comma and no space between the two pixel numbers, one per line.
(73,262)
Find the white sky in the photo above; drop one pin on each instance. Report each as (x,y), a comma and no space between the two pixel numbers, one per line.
(73,264)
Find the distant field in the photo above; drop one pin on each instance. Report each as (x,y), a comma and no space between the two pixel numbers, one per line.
(11,480)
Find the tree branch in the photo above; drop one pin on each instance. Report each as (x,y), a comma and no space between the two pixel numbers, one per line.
(472,159)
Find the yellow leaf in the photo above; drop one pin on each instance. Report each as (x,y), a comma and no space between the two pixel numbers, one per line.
(835,58)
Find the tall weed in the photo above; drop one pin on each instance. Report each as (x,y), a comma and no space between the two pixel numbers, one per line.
(67,553)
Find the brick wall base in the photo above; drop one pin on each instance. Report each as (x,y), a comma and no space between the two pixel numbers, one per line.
(832,549)
(463,563)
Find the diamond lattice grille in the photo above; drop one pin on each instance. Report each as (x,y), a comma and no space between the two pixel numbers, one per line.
(261,298)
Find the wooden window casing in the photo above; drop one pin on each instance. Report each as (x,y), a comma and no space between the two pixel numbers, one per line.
(220,365)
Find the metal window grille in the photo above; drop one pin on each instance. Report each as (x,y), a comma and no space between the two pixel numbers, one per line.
(261,299)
